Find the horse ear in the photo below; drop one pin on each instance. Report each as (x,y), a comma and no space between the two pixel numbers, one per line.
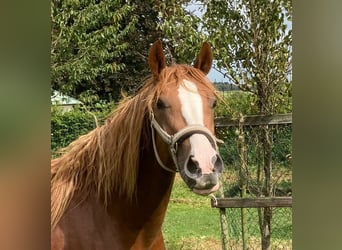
(204,59)
(156,58)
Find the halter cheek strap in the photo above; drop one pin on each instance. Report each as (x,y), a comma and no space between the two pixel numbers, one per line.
(180,136)
(157,154)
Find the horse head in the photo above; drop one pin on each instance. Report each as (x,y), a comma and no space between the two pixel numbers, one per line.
(182,120)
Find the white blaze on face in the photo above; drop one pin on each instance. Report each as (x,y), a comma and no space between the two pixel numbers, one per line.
(191,103)
(192,111)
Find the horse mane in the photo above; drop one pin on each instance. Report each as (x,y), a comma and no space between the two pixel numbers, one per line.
(106,160)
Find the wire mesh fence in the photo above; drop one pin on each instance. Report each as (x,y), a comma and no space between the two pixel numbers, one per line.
(243,158)
(246,235)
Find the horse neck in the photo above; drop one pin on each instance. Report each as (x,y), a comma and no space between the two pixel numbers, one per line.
(147,210)
(154,183)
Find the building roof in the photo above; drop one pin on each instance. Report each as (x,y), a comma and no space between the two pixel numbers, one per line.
(58,98)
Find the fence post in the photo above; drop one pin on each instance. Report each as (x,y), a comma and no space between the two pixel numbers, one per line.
(243,175)
(224,229)
(223,219)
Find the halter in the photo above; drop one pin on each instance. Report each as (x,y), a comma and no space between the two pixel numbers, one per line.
(179,137)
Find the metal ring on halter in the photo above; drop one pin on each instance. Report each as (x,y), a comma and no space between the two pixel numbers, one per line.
(180,136)
(214,199)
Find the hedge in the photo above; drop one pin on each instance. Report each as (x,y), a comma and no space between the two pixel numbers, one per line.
(68,126)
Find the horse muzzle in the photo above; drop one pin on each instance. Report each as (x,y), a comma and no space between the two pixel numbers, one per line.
(202,179)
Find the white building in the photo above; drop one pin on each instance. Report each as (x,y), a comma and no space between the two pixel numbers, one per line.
(67,103)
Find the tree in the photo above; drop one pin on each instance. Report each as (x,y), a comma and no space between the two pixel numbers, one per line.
(252,47)
(88,41)
(181,28)
(100,47)
(253,44)
(135,58)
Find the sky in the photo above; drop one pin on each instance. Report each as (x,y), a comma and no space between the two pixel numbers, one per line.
(215,76)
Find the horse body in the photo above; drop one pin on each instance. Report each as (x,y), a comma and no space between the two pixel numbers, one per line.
(123,224)
(111,188)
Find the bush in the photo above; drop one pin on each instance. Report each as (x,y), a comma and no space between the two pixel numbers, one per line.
(235,103)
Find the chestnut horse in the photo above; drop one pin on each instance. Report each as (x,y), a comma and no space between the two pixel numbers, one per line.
(111,187)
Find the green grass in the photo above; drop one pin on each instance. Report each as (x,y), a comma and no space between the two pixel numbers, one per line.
(190,222)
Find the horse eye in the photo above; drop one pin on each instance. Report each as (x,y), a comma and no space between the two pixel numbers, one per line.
(160,104)
(214,104)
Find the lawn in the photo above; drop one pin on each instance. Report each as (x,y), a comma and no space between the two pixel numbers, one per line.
(190,221)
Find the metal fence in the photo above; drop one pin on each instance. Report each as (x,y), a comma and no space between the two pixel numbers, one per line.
(246,235)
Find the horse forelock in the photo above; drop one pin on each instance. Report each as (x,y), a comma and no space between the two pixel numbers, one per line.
(106,160)
(175,74)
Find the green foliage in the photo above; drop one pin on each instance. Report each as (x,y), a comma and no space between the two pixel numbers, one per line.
(253,44)
(224,86)
(181,29)
(234,104)
(102,46)
(88,40)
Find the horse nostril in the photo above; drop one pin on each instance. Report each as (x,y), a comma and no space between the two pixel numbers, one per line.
(213,160)
(218,164)
(193,166)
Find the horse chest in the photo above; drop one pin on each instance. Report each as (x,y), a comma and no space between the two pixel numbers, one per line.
(89,226)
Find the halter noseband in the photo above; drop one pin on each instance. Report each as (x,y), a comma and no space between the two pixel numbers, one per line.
(180,136)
